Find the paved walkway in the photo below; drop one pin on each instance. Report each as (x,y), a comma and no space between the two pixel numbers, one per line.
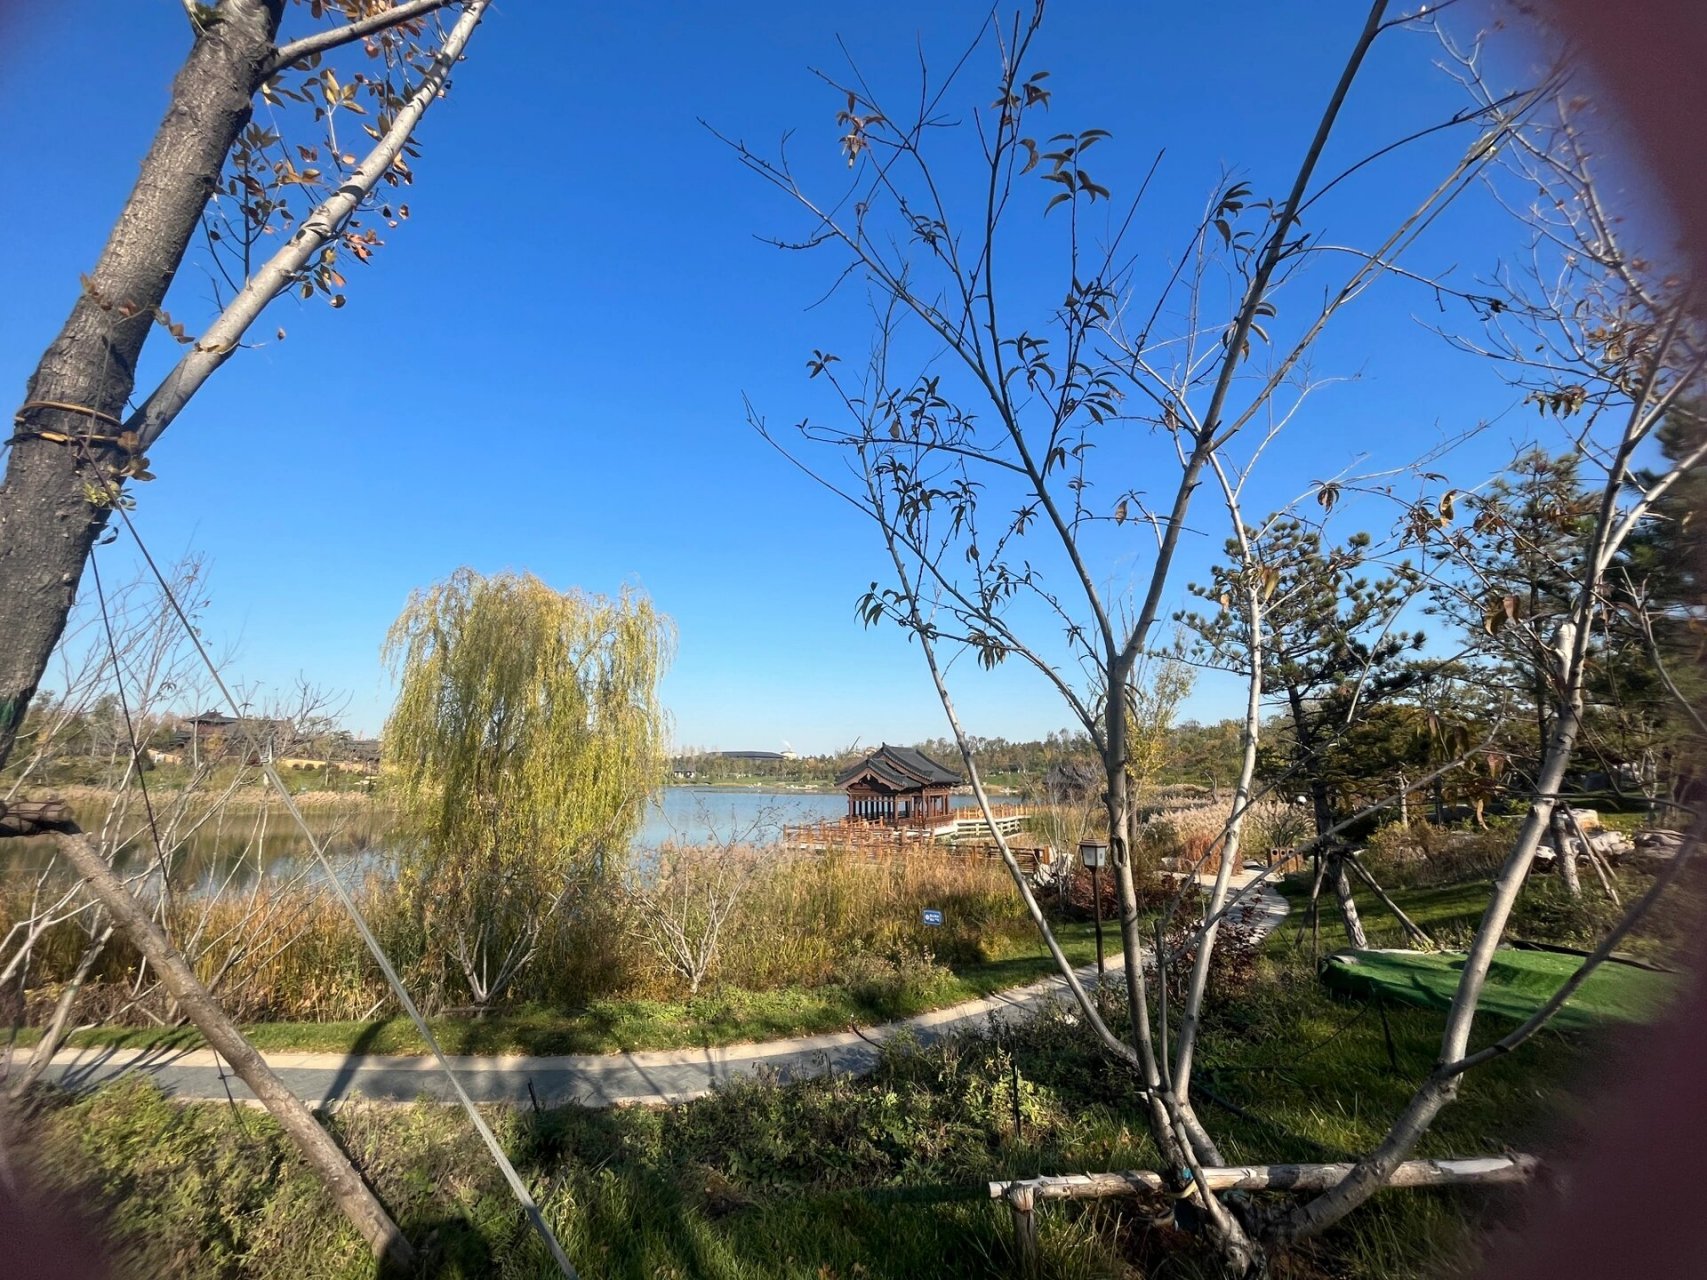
(592,1080)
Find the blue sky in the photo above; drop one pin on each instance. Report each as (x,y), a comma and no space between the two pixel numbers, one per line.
(544,368)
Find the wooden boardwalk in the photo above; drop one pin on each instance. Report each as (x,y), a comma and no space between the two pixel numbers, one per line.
(961,832)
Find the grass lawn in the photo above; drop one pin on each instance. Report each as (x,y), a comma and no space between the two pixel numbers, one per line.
(880,1176)
(716,1017)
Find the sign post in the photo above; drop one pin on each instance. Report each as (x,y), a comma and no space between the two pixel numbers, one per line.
(933,917)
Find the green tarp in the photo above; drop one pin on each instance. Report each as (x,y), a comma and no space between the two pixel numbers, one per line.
(1519,982)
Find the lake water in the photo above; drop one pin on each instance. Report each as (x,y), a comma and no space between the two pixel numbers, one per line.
(232,854)
(701,815)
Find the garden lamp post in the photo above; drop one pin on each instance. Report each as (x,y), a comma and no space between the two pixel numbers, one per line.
(1093,853)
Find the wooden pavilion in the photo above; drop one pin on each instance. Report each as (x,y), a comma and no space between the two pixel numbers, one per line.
(898,786)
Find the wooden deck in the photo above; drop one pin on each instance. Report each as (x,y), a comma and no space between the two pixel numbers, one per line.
(964,827)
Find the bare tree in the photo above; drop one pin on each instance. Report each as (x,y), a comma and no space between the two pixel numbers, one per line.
(1606,348)
(75,451)
(683,900)
(971,425)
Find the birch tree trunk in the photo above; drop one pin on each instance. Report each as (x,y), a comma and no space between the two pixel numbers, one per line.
(1565,854)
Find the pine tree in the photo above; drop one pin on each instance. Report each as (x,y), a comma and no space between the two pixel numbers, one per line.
(1330,653)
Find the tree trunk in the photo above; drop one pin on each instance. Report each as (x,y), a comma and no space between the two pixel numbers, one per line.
(1565,853)
(1323,816)
(1348,906)
(48,522)
(1120,855)
(353,1196)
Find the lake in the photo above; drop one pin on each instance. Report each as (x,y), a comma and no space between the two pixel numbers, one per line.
(233,853)
(702,815)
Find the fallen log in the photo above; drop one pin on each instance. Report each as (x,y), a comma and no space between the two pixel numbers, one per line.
(1274,1177)
(1024,1195)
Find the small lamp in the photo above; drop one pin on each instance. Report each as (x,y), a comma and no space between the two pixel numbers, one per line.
(1094,853)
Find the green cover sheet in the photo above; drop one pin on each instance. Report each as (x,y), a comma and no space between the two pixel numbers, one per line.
(1519,982)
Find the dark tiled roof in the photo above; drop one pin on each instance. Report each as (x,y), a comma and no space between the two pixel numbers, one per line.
(901,769)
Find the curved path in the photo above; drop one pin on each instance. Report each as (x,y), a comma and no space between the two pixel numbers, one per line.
(589,1080)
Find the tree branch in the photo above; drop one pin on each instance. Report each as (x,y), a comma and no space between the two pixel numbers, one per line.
(1603,952)
(298,50)
(318,230)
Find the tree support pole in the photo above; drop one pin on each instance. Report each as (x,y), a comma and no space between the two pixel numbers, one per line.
(1417,932)
(1475,1171)
(1020,1204)
(1348,905)
(352,1194)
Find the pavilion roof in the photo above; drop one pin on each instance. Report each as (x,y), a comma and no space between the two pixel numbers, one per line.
(901,769)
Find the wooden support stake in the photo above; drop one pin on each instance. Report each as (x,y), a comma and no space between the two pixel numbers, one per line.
(1417,932)
(319,1149)
(1591,856)
(1020,1202)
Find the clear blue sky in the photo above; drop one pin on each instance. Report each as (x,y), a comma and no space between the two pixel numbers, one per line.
(544,368)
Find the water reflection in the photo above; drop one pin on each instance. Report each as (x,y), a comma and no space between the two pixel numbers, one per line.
(234,849)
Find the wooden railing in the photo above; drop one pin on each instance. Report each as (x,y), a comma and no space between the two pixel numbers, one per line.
(863,834)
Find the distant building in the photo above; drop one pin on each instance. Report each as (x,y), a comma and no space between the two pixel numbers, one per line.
(898,784)
(214,736)
(364,751)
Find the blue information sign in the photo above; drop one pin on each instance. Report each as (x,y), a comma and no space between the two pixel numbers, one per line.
(932,916)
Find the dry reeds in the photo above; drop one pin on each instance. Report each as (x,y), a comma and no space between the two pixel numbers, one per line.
(1192,833)
(287,952)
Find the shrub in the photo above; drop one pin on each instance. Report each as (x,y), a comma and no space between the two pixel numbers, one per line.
(1546,910)
(1232,964)
(1191,833)
(1423,855)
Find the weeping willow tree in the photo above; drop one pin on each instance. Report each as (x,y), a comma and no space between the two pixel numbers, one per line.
(525,743)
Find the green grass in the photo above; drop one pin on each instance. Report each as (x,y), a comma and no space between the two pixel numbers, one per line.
(875,1177)
(1543,913)
(836,1177)
(726,1015)
(1444,910)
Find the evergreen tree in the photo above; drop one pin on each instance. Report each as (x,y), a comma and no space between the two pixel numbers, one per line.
(1330,653)
(1516,564)
(1662,613)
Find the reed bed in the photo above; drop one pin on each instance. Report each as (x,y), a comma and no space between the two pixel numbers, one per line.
(1191,833)
(288,952)
(809,919)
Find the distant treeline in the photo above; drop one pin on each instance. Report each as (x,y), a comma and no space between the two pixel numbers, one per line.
(1205,754)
